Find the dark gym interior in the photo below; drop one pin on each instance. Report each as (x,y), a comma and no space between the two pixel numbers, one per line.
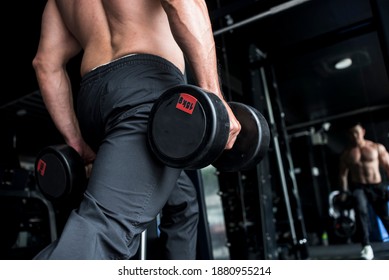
(278,56)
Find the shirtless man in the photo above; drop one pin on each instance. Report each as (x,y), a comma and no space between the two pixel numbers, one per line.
(132,52)
(361,163)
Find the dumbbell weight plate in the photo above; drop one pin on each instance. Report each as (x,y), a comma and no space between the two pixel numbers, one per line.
(60,173)
(251,144)
(344,227)
(188,127)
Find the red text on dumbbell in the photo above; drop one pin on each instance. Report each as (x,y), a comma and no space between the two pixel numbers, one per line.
(186,103)
(41,168)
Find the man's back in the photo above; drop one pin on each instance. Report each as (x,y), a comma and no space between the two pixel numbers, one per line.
(108,29)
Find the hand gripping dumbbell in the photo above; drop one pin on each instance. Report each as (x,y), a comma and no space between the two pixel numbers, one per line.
(189,129)
(60,173)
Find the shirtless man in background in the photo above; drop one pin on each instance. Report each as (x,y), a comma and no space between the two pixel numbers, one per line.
(133,50)
(361,163)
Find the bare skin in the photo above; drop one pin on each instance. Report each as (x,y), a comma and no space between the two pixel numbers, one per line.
(363,160)
(109,29)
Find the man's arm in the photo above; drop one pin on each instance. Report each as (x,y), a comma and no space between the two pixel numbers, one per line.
(56,47)
(383,158)
(191,28)
(343,173)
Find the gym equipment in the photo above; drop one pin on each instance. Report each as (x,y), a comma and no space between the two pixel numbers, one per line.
(60,173)
(342,213)
(189,129)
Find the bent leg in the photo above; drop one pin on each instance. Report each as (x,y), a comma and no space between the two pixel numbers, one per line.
(126,191)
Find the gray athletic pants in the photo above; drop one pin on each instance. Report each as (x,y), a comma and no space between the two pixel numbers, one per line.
(375,195)
(128,187)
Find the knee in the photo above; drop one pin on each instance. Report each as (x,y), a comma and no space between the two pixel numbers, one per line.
(183,211)
(361,208)
(360,202)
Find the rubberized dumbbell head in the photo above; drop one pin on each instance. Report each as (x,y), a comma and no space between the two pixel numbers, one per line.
(60,173)
(188,127)
(251,144)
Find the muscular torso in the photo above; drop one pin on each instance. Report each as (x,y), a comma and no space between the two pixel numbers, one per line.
(363,163)
(109,29)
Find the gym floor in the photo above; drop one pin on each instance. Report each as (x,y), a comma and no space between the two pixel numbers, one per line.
(347,251)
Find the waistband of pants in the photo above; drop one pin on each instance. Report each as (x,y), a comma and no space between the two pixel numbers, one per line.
(360,185)
(130,59)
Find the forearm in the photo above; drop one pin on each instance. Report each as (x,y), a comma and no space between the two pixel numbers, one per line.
(384,158)
(191,28)
(57,95)
(343,183)
(386,164)
(343,176)
(386,167)
(56,91)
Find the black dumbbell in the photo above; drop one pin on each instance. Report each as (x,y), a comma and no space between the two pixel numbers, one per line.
(60,173)
(189,129)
